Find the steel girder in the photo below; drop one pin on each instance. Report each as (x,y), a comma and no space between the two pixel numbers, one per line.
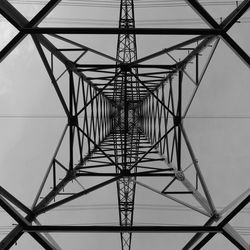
(126,128)
(128,104)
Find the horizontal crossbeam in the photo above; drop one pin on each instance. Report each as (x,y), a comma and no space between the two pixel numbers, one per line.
(117,31)
(118,229)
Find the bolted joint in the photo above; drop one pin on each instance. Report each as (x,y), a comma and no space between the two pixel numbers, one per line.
(216,216)
(73,120)
(177,120)
(180,175)
(125,172)
(69,65)
(125,67)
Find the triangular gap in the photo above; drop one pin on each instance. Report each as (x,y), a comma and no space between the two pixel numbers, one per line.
(94,56)
(188,90)
(194,73)
(95,161)
(219,242)
(219,10)
(158,120)
(194,55)
(79,104)
(77,146)
(186,199)
(168,142)
(96,208)
(212,145)
(85,209)
(57,167)
(191,176)
(61,77)
(226,82)
(69,188)
(70,52)
(102,80)
(193,171)
(176,55)
(187,50)
(56,65)
(159,207)
(82,126)
(93,116)
(98,119)
(90,114)
(178,190)
(103,118)
(87,112)
(59,171)
(153,161)
(159,57)
(171,144)
(84,56)
(8,32)
(153,49)
(152,88)
(102,48)
(78,100)
(83,117)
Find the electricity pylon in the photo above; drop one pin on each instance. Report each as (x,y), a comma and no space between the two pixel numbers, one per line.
(125,120)
(127,138)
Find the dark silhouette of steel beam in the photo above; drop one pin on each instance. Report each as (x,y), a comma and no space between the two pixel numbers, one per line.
(117,31)
(19,21)
(122,229)
(23,222)
(225,26)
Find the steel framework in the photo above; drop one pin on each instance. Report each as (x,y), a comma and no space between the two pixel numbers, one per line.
(125,121)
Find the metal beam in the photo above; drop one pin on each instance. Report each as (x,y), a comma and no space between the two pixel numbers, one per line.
(23,222)
(222,223)
(229,21)
(234,16)
(51,75)
(197,7)
(119,229)
(41,208)
(19,21)
(117,31)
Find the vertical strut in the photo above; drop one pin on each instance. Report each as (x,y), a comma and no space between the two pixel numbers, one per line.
(125,95)
(179,118)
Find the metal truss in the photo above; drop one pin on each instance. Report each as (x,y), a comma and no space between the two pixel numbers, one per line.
(125,120)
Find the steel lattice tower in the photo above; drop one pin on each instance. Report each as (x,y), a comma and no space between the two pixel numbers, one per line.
(125,121)
(126,97)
